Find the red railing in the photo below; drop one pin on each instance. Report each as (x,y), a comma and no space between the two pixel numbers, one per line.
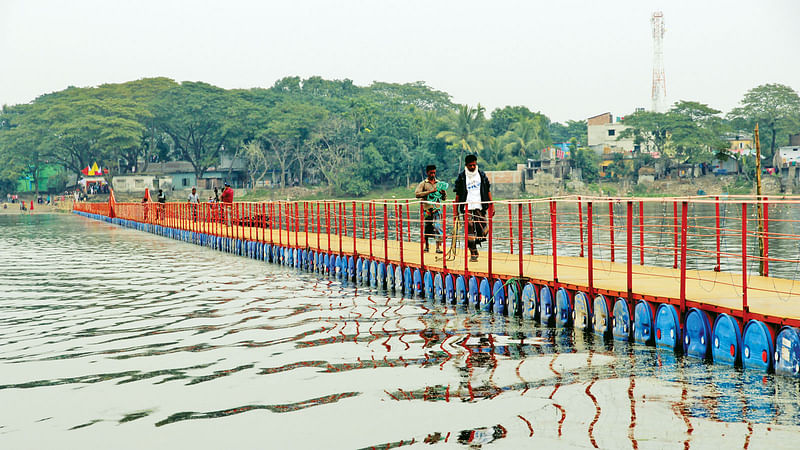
(631,239)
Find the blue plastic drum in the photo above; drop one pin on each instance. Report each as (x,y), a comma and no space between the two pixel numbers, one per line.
(563,308)
(787,352)
(530,304)
(337,268)
(398,279)
(621,322)
(757,346)
(359,273)
(408,283)
(473,293)
(428,284)
(697,334)
(438,288)
(643,323)
(373,274)
(390,271)
(296,256)
(582,315)
(461,290)
(485,294)
(381,275)
(514,300)
(601,319)
(418,286)
(547,310)
(726,341)
(668,328)
(351,269)
(498,301)
(449,290)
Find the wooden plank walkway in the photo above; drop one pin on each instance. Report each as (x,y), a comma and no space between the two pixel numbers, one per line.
(770,297)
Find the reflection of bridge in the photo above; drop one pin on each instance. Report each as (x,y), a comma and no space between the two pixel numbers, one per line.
(678,273)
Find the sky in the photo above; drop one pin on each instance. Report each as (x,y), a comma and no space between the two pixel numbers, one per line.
(569,59)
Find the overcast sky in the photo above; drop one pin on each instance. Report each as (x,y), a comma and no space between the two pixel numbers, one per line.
(569,59)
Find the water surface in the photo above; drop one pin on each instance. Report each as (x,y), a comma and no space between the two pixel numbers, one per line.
(114,338)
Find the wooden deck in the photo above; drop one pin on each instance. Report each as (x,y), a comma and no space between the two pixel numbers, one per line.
(776,300)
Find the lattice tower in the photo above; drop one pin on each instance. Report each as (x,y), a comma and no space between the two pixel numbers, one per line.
(659,93)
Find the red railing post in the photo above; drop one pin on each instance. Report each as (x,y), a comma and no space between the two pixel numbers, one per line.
(718,267)
(611,226)
(510,231)
(319,228)
(408,220)
(328,224)
(364,223)
(580,223)
(491,244)
(399,220)
(371,226)
(684,233)
(444,238)
(629,242)
(341,222)
(553,231)
(422,238)
(279,207)
(675,233)
(589,244)
(355,232)
(519,236)
(766,238)
(641,233)
(745,306)
(305,220)
(466,243)
(530,223)
(385,233)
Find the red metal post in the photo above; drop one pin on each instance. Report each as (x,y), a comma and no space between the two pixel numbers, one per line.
(296,206)
(553,235)
(305,221)
(355,232)
(444,238)
(319,229)
(580,223)
(408,220)
(364,224)
(589,238)
(422,237)
(611,226)
(629,241)
(718,267)
(279,207)
(510,231)
(530,223)
(745,306)
(328,224)
(519,236)
(766,238)
(684,233)
(399,220)
(386,233)
(340,223)
(491,244)
(371,216)
(675,233)
(466,242)
(641,233)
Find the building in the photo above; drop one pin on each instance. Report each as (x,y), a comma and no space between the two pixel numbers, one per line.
(786,157)
(603,135)
(739,142)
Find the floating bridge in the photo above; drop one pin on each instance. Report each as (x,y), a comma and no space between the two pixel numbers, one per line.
(713,278)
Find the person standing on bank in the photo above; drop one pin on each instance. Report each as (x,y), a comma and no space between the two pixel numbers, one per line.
(428,191)
(194,203)
(162,200)
(473,188)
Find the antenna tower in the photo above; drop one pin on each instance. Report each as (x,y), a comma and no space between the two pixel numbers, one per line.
(659,93)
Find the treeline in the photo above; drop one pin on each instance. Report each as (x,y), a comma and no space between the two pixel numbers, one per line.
(329,132)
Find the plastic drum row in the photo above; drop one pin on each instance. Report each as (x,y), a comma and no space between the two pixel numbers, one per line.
(721,338)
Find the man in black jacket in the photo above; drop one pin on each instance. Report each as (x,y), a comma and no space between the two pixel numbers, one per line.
(473,188)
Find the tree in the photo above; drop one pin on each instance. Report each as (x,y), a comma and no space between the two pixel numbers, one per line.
(776,109)
(648,128)
(573,129)
(199,119)
(464,137)
(526,137)
(588,162)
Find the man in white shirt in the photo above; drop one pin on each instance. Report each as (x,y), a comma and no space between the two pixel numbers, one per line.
(473,188)
(194,201)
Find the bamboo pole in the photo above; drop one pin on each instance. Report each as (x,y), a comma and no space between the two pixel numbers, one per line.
(759,206)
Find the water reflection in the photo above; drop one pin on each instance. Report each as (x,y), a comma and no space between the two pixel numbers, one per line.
(115,334)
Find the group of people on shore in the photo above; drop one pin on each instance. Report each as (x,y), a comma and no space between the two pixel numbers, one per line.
(225,198)
(473,191)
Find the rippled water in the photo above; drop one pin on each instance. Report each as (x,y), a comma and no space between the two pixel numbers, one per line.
(114,338)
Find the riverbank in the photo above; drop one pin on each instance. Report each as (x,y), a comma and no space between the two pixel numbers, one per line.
(13,208)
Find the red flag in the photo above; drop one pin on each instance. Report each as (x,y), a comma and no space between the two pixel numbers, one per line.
(86,170)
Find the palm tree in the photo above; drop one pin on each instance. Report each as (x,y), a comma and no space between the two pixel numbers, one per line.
(465,137)
(524,138)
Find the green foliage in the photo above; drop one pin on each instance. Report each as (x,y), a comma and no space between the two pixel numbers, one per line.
(588,162)
(776,110)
